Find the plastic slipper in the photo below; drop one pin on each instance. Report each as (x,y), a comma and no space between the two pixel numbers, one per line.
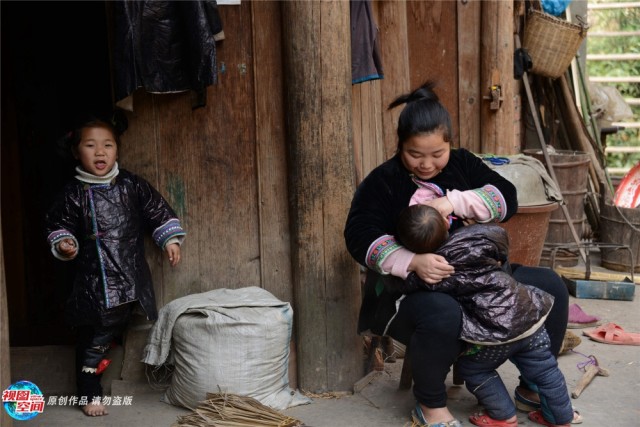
(569,342)
(524,404)
(536,417)
(579,319)
(482,419)
(418,418)
(611,333)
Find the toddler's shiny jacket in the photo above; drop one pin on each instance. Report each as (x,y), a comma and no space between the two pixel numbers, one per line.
(495,307)
(109,222)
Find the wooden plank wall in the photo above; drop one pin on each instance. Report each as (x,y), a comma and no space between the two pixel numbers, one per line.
(325,280)
(223,166)
(444,41)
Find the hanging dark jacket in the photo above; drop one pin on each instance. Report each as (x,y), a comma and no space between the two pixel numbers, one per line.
(164,46)
(495,307)
(111,265)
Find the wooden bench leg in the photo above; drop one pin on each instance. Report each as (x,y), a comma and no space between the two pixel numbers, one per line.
(406,376)
(374,361)
(457,379)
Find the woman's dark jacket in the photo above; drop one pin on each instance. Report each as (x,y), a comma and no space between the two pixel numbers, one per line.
(495,307)
(374,212)
(111,265)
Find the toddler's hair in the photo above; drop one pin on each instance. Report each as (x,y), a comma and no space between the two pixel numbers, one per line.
(421,229)
(117,123)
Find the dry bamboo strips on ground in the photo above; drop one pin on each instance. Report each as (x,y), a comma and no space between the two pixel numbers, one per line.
(230,410)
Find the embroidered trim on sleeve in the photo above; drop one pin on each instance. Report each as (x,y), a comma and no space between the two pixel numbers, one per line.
(494,200)
(167,231)
(380,249)
(58,235)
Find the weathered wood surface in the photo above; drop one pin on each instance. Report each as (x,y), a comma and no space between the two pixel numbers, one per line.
(394,50)
(497,131)
(432,44)
(325,278)
(274,243)
(204,162)
(368,136)
(470,99)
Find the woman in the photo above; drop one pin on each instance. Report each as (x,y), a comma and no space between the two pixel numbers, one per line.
(430,322)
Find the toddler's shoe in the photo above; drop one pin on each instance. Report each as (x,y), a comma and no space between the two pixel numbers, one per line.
(482,419)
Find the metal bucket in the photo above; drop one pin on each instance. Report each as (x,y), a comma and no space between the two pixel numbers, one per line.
(572,172)
(620,226)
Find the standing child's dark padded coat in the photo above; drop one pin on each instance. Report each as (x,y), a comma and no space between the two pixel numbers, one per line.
(112,266)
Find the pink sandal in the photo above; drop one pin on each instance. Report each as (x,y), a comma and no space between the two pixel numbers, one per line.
(484,420)
(613,334)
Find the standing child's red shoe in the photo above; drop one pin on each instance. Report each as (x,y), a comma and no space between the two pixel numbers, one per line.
(536,417)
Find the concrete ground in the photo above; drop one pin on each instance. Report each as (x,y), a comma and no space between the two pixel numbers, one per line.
(607,401)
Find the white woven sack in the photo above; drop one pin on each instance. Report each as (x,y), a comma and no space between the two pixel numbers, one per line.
(229,340)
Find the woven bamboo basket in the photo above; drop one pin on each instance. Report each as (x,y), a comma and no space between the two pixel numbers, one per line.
(552,43)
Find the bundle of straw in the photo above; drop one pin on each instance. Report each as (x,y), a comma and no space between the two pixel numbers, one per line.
(231,410)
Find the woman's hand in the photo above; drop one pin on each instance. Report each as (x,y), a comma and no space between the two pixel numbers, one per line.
(431,268)
(173,253)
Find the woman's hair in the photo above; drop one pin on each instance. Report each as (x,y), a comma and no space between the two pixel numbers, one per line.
(421,229)
(423,114)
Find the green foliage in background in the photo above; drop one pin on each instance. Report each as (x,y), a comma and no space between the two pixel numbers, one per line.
(617,20)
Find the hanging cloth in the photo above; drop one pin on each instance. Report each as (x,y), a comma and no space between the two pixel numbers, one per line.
(164,46)
(365,50)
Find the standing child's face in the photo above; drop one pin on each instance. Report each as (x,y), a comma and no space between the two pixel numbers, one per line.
(97,151)
(425,155)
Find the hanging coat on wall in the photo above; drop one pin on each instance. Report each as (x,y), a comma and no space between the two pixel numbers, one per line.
(164,46)
(365,51)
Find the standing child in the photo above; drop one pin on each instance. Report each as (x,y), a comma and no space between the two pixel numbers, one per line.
(502,319)
(100,220)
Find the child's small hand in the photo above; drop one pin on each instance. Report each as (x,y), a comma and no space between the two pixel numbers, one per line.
(67,248)
(173,253)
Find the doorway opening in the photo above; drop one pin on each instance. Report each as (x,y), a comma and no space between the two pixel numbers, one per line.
(55,67)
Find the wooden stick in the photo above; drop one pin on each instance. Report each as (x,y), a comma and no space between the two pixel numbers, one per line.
(590,372)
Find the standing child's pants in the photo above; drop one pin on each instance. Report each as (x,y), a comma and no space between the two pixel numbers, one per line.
(92,344)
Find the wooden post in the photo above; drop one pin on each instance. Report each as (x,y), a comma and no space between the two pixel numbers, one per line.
(326,287)
(469,59)
(395,52)
(5,362)
(497,112)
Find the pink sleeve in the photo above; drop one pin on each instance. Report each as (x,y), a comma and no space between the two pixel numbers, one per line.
(397,263)
(467,204)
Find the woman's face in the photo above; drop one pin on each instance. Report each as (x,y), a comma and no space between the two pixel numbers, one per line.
(425,155)
(97,151)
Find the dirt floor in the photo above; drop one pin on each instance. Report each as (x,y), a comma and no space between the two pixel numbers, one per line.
(607,401)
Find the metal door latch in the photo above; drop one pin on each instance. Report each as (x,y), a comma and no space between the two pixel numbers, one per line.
(495,97)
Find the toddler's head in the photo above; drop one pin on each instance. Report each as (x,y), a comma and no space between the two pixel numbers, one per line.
(422,229)
(95,146)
